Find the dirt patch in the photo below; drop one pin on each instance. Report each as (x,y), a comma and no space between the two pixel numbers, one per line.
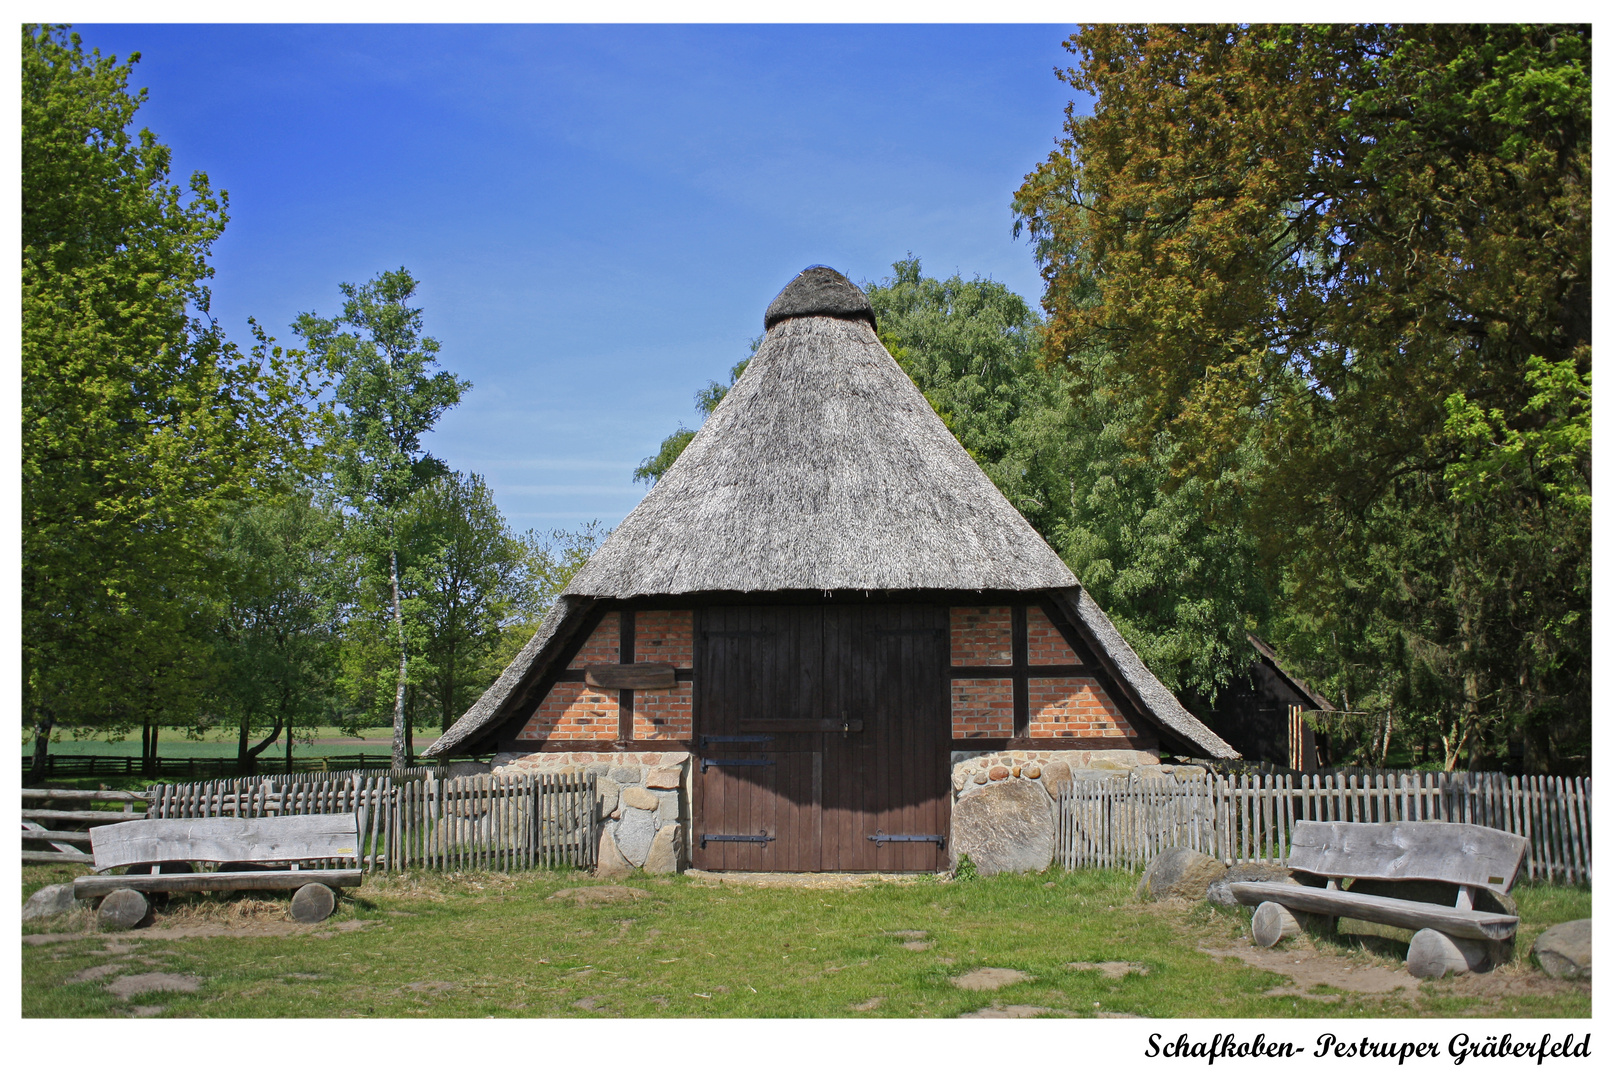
(101,971)
(595,895)
(127,986)
(1013,1012)
(1110,969)
(989,978)
(430,987)
(1309,967)
(867,1005)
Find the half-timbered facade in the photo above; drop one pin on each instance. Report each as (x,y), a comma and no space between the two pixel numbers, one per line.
(818,627)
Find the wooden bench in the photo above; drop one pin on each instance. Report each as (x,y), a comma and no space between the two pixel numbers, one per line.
(1448,939)
(266,843)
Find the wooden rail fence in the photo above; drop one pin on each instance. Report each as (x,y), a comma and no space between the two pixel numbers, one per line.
(1124,822)
(82,765)
(515,822)
(65,831)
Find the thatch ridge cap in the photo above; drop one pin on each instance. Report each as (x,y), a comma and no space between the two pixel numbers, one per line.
(820,290)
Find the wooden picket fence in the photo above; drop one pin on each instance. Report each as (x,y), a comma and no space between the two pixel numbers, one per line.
(1124,822)
(509,822)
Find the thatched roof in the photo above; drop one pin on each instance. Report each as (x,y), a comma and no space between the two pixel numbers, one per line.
(823,468)
(1152,695)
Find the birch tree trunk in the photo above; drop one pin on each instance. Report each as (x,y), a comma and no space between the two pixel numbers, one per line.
(399,755)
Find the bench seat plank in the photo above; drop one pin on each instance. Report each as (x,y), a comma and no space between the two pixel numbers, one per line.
(292,838)
(102,884)
(1408,914)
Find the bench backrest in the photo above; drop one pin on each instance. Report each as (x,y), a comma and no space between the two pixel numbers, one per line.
(291,838)
(1407,851)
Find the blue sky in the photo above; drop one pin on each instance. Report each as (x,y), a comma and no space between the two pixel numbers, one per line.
(598,215)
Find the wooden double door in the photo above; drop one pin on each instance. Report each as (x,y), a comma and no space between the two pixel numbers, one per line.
(822,731)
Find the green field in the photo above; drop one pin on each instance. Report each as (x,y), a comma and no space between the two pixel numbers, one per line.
(330,741)
(485,944)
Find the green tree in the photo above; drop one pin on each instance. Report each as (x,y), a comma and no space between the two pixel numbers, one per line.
(1184,591)
(140,422)
(466,577)
(388,396)
(1314,252)
(286,586)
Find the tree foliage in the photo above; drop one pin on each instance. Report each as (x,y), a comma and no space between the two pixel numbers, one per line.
(140,422)
(286,587)
(1183,590)
(1355,258)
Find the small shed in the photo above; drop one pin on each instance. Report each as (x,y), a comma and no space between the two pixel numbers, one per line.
(1261,713)
(821,628)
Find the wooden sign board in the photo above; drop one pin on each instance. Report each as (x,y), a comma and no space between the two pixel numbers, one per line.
(630,676)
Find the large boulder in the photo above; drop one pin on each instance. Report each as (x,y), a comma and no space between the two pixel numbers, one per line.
(664,857)
(1003,828)
(50,901)
(635,834)
(609,863)
(1565,951)
(1219,892)
(1179,873)
(1056,778)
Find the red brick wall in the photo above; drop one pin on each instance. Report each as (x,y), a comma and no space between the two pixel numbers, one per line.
(663,714)
(981,636)
(602,647)
(981,708)
(574,711)
(1046,644)
(1073,709)
(664,637)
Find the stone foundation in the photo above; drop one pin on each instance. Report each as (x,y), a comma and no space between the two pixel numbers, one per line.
(644,800)
(643,804)
(1004,826)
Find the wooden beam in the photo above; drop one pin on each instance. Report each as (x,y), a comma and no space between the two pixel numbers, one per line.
(1020,665)
(56,856)
(630,676)
(84,815)
(1384,910)
(102,884)
(37,833)
(72,793)
(1113,742)
(627,657)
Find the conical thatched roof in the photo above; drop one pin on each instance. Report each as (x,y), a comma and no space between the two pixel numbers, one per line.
(823,468)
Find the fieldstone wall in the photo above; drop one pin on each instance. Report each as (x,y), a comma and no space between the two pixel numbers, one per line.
(1004,812)
(643,804)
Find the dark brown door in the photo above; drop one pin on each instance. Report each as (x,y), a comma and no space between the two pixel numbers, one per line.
(818,729)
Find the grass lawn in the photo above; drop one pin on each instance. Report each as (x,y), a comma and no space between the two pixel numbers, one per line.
(485,944)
